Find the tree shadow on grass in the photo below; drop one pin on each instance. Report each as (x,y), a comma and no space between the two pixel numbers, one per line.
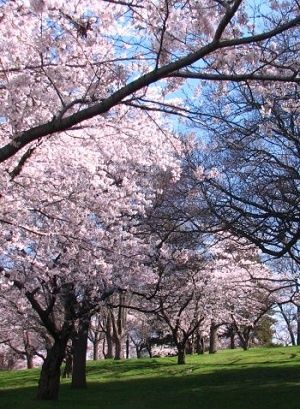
(255,388)
(130,368)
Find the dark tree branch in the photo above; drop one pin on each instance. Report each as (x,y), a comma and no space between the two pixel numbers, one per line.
(226,19)
(163,31)
(30,295)
(236,77)
(58,124)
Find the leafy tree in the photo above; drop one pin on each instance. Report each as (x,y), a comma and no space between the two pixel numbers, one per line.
(75,233)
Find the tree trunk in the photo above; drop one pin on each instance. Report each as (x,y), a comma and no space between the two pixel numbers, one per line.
(96,349)
(181,355)
(119,325)
(138,351)
(49,381)
(28,349)
(213,339)
(118,348)
(29,360)
(149,349)
(288,324)
(202,343)
(200,347)
(244,344)
(79,344)
(109,339)
(127,348)
(231,335)
(189,349)
(298,314)
(244,338)
(68,369)
(110,348)
(232,340)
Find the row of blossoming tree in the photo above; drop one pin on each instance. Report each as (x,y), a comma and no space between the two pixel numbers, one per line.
(103,204)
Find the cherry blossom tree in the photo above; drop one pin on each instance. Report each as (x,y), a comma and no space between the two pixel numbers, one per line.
(20,329)
(143,330)
(223,283)
(180,294)
(96,335)
(287,304)
(74,236)
(96,73)
(242,292)
(64,63)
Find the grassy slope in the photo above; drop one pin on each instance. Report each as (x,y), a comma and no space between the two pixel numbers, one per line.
(257,379)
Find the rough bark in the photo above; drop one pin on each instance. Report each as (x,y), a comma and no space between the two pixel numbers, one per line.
(49,381)
(181,355)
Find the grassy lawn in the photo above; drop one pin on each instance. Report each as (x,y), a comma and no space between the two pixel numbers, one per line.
(257,379)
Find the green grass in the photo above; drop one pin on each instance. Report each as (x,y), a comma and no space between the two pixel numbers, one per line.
(257,379)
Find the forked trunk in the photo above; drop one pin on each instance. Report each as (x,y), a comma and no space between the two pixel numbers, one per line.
(244,343)
(244,337)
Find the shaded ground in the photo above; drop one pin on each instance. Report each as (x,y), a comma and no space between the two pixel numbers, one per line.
(258,379)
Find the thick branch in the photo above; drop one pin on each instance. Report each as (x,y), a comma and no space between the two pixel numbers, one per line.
(236,77)
(226,19)
(30,295)
(59,124)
